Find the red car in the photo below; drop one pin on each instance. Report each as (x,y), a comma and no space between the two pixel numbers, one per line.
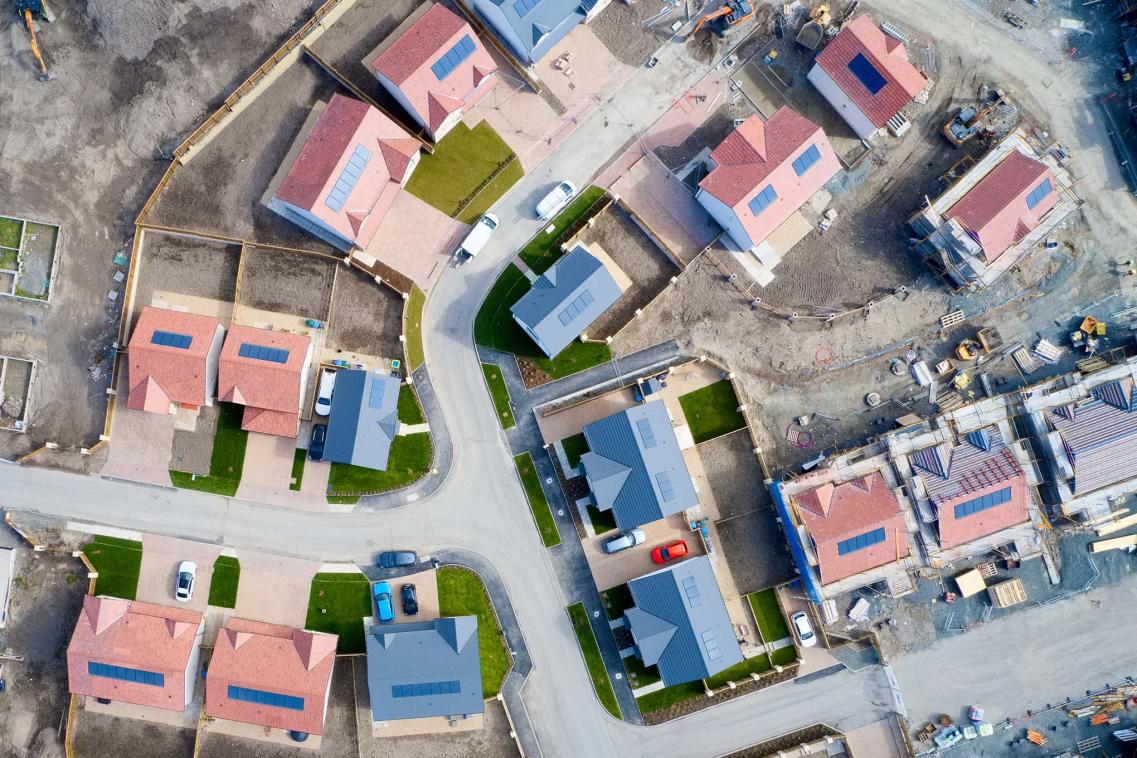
(669,552)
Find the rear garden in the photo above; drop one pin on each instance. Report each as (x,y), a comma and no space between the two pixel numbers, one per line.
(712,411)
(117,562)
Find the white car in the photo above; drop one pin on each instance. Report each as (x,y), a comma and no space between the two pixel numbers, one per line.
(552,203)
(477,238)
(187,576)
(804,630)
(324,396)
(625,541)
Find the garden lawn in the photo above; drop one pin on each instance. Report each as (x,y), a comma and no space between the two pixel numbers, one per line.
(602,521)
(9,259)
(758,664)
(460,166)
(616,600)
(117,561)
(415,353)
(223,585)
(638,674)
(592,659)
(784,656)
(712,411)
(669,696)
(409,410)
(538,503)
(298,458)
(542,251)
(338,604)
(771,622)
(461,593)
(409,461)
(10,230)
(575,446)
(228,456)
(500,395)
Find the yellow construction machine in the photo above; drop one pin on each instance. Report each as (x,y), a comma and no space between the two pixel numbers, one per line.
(28,10)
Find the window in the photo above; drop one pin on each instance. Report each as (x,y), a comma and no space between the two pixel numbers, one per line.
(445,65)
(861,541)
(711,645)
(171,339)
(647,436)
(426,688)
(804,161)
(262,353)
(378,390)
(348,177)
(262,697)
(867,74)
(521,7)
(971,507)
(663,479)
(574,309)
(691,590)
(122,673)
(763,199)
(1038,193)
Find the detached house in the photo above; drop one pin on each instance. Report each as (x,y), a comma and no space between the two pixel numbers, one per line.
(364,418)
(343,172)
(866,76)
(435,66)
(761,174)
(531,28)
(266,372)
(172,360)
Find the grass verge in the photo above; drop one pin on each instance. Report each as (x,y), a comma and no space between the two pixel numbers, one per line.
(575,446)
(771,623)
(415,353)
(410,412)
(338,603)
(712,411)
(409,461)
(223,585)
(500,394)
(538,503)
(592,659)
(542,251)
(228,456)
(298,458)
(117,561)
(461,593)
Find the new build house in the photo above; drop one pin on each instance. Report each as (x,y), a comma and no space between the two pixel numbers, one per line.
(172,360)
(267,372)
(364,418)
(343,172)
(866,76)
(760,176)
(531,28)
(435,66)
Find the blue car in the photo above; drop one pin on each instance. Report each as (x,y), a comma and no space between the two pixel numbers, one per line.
(384,606)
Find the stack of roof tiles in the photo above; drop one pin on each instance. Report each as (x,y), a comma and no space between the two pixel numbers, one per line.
(262,370)
(1100,435)
(169,359)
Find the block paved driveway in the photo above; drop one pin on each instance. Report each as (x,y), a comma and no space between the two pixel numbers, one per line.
(160,559)
(274,588)
(141,442)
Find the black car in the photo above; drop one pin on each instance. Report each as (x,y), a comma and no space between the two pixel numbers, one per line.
(316,443)
(410,600)
(396,559)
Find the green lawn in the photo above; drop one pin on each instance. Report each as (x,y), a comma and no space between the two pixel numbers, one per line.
(500,394)
(9,259)
(758,664)
(461,593)
(461,165)
(228,456)
(771,622)
(415,353)
(298,458)
(669,696)
(538,503)
(410,412)
(223,585)
(494,327)
(602,521)
(592,660)
(338,603)
(784,656)
(712,411)
(117,561)
(409,461)
(542,251)
(575,446)
(10,230)
(616,600)
(640,675)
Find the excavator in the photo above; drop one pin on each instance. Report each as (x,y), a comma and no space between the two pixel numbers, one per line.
(28,10)
(721,20)
(966,123)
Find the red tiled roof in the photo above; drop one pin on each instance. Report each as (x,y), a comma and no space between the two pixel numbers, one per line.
(955,531)
(270,658)
(406,63)
(995,209)
(760,152)
(334,131)
(889,57)
(263,385)
(160,374)
(133,635)
(835,513)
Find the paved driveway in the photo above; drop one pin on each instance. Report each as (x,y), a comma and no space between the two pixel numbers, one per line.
(140,443)
(159,569)
(268,474)
(618,568)
(274,588)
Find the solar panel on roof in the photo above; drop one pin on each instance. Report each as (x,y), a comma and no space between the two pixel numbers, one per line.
(459,51)
(806,160)
(763,199)
(867,74)
(861,541)
(521,7)
(171,339)
(711,644)
(1037,194)
(262,353)
(691,590)
(347,178)
(647,436)
(666,491)
(264,697)
(378,390)
(122,673)
(424,689)
(971,507)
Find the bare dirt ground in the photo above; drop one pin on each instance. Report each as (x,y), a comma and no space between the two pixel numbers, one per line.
(81,151)
(283,282)
(365,317)
(98,735)
(620,27)
(194,267)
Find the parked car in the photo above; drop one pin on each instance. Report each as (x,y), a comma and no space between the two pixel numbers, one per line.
(410,600)
(384,606)
(625,541)
(552,203)
(669,552)
(187,577)
(396,559)
(324,396)
(477,238)
(804,630)
(316,442)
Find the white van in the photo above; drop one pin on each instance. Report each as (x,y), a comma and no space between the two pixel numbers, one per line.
(324,395)
(477,238)
(552,203)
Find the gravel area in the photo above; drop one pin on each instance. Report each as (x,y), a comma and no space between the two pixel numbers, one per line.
(283,282)
(187,266)
(192,452)
(365,317)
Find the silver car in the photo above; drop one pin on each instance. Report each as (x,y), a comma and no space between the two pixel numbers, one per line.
(625,541)
(187,577)
(552,203)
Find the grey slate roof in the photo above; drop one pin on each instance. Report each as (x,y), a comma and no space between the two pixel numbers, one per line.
(565,300)
(634,466)
(541,18)
(680,623)
(1100,434)
(364,418)
(443,652)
